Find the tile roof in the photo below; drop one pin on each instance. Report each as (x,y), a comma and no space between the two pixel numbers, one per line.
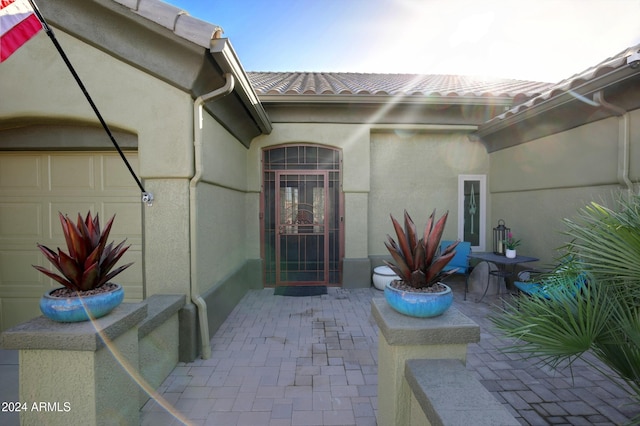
(522,94)
(320,83)
(572,83)
(174,19)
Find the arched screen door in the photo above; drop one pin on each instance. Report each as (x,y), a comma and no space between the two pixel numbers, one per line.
(302,220)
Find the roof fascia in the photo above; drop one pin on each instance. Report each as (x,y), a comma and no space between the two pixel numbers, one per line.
(226,57)
(384,99)
(427,128)
(567,96)
(162,52)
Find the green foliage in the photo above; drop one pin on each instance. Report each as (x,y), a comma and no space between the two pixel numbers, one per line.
(511,243)
(599,313)
(417,260)
(90,260)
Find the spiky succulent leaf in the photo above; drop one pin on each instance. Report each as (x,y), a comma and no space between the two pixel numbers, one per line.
(85,234)
(418,255)
(64,222)
(111,256)
(401,269)
(89,279)
(105,233)
(78,247)
(56,277)
(112,274)
(436,267)
(69,268)
(410,230)
(395,269)
(90,260)
(418,263)
(450,248)
(418,279)
(93,227)
(432,240)
(51,255)
(403,243)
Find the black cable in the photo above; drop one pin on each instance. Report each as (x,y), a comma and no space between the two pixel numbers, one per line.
(49,32)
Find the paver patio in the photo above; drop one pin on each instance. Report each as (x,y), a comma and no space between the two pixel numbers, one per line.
(313,361)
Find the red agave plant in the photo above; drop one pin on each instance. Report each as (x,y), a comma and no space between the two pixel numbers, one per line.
(417,261)
(90,260)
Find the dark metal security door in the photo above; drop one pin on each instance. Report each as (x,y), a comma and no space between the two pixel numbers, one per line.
(301,245)
(302,216)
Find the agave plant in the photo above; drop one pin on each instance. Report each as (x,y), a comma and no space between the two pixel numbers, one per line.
(418,261)
(90,260)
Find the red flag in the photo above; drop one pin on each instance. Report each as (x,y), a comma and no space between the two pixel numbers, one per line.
(18,23)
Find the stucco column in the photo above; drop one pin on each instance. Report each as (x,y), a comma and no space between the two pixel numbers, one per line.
(76,373)
(403,338)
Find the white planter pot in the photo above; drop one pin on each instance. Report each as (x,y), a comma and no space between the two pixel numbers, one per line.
(510,253)
(383,275)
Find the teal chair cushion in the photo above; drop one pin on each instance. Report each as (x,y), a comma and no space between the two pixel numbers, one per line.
(461,260)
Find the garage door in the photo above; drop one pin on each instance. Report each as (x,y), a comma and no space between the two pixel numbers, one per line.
(34,187)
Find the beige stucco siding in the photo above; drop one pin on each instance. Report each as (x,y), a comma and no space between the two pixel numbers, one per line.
(584,156)
(221,202)
(535,185)
(418,172)
(224,158)
(159,114)
(40,88)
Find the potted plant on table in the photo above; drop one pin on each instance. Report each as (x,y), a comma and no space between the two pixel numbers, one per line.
(419,264)
(510,246)
(86,271)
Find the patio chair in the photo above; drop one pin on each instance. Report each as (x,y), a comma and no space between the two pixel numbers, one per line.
(544,287)
(460,261)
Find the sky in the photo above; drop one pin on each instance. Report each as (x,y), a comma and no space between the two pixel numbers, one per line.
(538,40)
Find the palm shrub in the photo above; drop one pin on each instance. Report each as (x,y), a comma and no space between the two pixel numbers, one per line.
(90,261)
(418,261)
(598,315)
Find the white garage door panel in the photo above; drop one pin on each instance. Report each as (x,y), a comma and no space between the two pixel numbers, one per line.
(34,187)
(19,174)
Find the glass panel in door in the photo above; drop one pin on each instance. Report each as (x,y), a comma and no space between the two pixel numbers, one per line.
(302,213)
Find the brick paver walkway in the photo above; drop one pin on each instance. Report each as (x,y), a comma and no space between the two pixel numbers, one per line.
(312,361)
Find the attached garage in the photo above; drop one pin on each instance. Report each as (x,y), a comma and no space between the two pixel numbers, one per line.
(34,187)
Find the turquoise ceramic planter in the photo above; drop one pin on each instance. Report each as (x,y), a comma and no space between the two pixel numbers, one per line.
(420,305)
(72,309)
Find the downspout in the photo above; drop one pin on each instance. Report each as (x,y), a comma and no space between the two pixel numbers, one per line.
(623,139)
(196,298)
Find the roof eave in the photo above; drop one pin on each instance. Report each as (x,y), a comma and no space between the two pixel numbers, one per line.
(568,96)
(225,56)
(384,99)
(170,46)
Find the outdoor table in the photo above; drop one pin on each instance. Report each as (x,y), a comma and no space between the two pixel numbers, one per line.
(501,261)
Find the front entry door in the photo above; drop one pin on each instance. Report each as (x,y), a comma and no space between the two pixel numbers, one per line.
(302,218)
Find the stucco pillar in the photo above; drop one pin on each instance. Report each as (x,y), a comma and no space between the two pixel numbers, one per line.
(79,373)
(403,338)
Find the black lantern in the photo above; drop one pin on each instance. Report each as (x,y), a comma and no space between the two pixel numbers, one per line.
(500,234)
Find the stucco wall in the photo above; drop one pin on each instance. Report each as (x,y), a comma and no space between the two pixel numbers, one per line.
(42,90)
(418,172)
(220,198)
(40,87)
(536,184)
